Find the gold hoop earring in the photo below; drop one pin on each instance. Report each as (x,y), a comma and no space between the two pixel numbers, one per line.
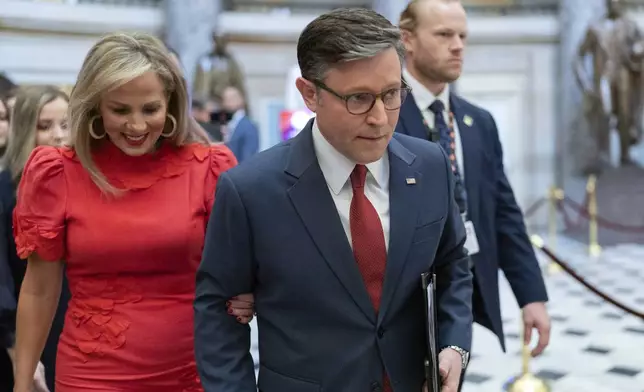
(174,126)
(91,128)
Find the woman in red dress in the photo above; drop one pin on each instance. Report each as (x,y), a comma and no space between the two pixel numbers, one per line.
(126,208)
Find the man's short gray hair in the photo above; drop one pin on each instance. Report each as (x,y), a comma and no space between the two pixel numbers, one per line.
(342,35)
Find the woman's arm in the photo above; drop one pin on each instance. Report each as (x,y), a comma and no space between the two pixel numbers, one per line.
(37,305)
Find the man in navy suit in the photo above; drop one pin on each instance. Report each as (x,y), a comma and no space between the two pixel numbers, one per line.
(241,134)
(331,231)
(434,34)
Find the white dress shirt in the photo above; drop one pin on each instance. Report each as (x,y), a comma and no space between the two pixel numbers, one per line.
(424,98)
(337,169)
(232,124)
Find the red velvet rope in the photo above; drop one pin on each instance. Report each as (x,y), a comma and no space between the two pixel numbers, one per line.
(582,211)
(535,207)
(582,215)
(571,271)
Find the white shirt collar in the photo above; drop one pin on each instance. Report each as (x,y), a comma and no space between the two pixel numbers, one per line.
(235,119)
(337,168)
(422,95)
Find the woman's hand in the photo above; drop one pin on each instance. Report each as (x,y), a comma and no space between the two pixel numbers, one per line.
(242,307)
(40,382)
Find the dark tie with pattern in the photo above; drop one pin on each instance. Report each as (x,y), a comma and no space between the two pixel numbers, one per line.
(448,142)
(368,241)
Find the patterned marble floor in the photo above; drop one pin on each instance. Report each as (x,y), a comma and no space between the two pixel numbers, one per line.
(594,346)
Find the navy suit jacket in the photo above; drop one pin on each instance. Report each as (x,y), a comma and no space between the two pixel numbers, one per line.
(244,142)
(275,231)
(493,210)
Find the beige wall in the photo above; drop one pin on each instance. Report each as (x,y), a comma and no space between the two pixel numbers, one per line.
(509,69)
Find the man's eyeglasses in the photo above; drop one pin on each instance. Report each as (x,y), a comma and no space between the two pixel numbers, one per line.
(361,103)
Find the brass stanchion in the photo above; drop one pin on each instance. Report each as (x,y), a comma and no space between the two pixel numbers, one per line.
(554,197)
(594,250)
(526,381)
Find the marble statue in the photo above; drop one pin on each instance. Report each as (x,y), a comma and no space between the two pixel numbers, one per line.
(612,85)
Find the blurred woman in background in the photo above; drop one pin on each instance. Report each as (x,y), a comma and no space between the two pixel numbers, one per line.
(39,119)
(4,125)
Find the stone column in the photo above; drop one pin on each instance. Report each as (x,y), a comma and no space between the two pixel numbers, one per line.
(574,18)
(189,28)
(390,9)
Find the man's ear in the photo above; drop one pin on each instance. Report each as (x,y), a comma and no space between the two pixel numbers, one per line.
(408,39)
(309,93)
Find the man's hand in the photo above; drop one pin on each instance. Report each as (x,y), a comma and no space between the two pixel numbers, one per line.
(535,315)
(450,365)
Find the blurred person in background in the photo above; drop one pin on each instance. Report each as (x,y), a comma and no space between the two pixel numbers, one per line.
(4,126)
(203,112)
(435,34)
(126,208)
(11,100)
(241,134)
(39,119)
(216,70)
(6,86)
(7,91)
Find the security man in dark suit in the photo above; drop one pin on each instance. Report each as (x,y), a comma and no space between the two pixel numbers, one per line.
(434,34)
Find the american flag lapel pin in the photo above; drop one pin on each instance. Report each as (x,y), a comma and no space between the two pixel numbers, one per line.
(410,181)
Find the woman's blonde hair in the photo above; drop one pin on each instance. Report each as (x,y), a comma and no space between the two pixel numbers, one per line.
(24,124)
(113,61)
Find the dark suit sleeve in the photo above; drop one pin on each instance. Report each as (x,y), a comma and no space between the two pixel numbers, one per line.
(222,345)
(516,255)
(454,278)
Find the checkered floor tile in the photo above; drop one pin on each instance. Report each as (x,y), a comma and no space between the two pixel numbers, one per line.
(594,346)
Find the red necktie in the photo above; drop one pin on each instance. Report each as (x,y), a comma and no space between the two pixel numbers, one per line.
(368,242)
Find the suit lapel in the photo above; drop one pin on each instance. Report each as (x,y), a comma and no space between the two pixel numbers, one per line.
(404,201)
(313,202)
(470,140)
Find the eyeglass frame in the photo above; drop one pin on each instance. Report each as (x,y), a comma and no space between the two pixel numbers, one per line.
(404,88)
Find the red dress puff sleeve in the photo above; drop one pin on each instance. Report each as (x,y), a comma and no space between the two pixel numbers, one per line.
(39,216)
(221,159)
